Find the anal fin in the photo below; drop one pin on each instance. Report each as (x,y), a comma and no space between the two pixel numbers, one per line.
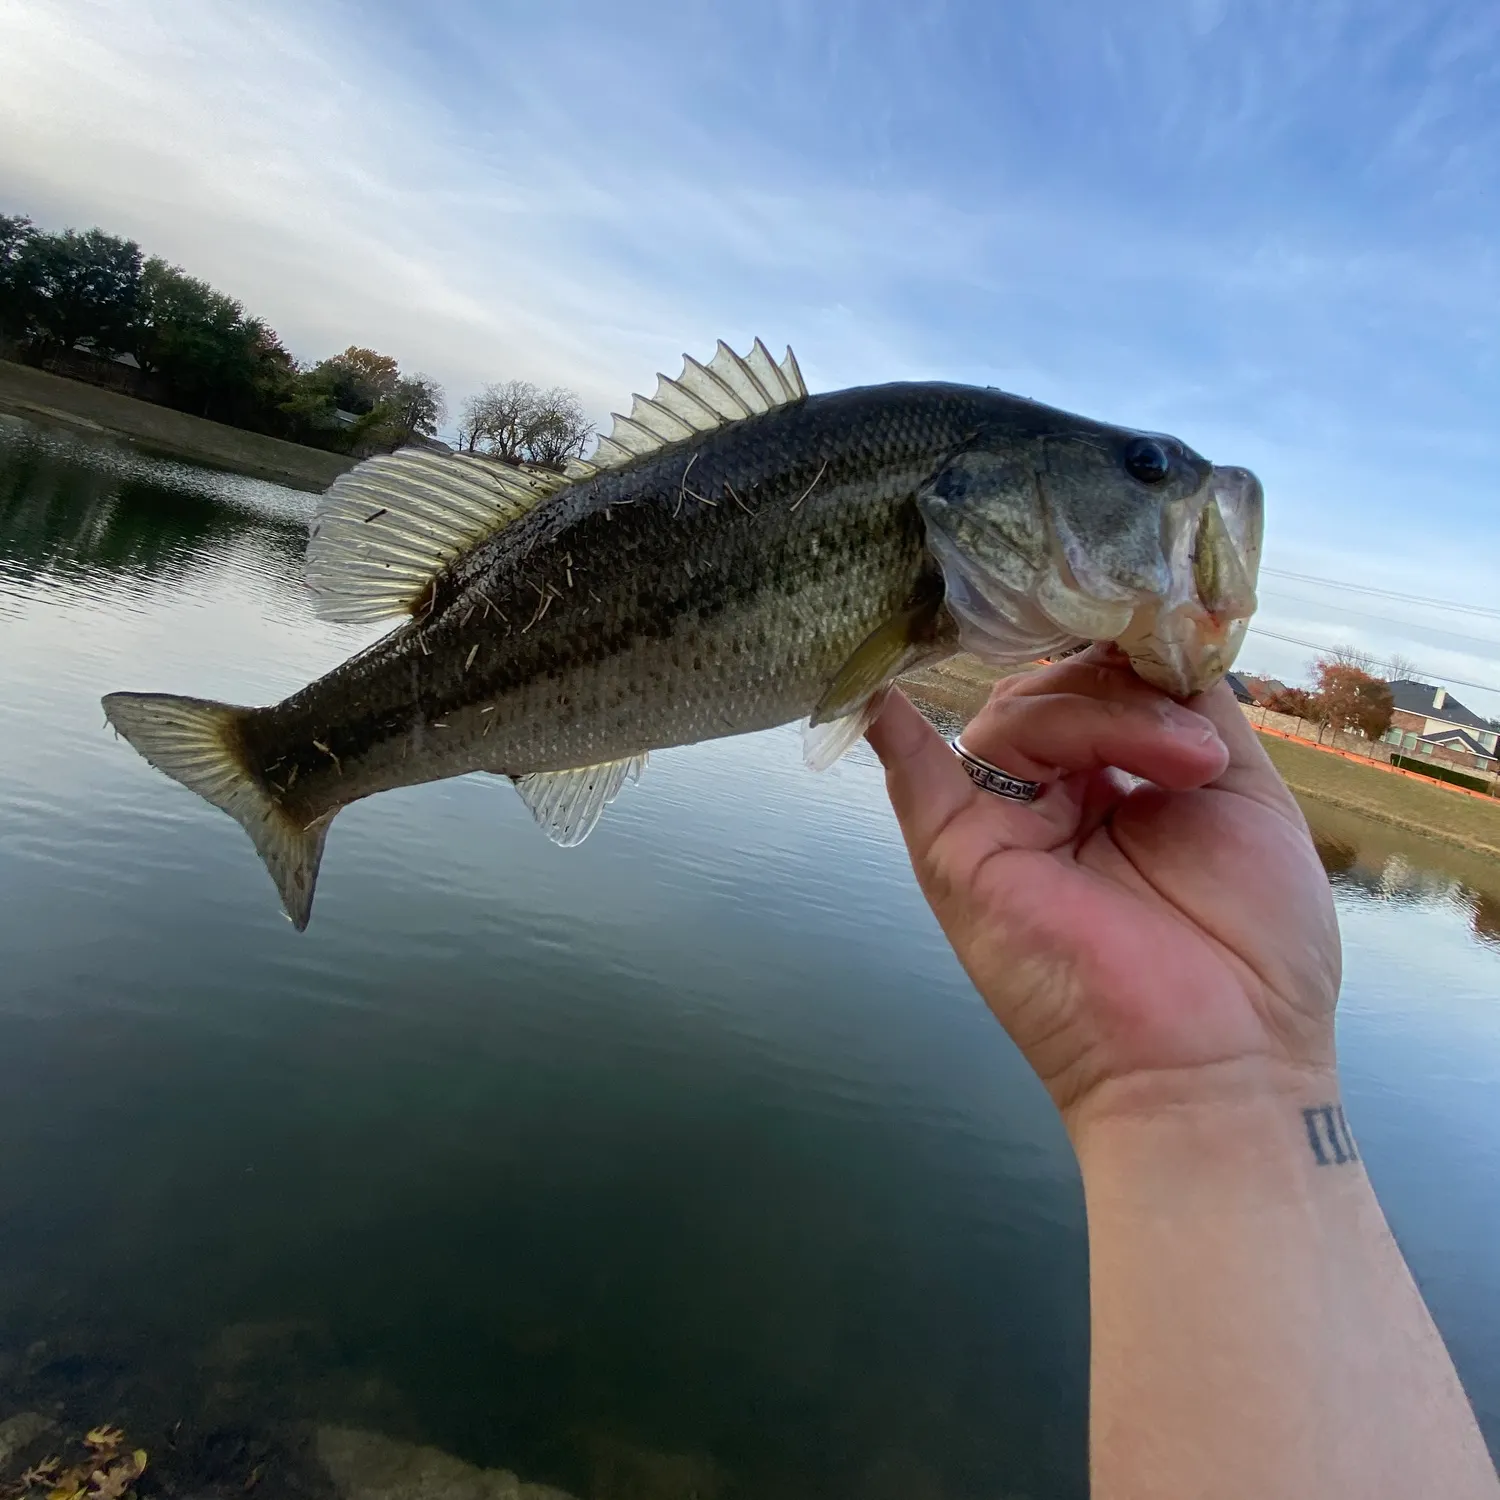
(568,804)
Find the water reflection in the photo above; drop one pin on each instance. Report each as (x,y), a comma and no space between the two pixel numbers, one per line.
(67,505)
(686,1158)
(1375,861)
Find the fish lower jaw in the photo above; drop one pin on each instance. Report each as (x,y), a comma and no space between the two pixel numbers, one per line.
(1184,650)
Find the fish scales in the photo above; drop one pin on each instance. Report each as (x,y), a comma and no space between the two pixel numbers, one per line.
(686,618)
(735,555)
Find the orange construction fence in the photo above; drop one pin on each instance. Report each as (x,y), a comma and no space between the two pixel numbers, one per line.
(1365,760)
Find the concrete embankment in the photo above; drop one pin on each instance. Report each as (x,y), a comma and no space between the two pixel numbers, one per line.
(41,397)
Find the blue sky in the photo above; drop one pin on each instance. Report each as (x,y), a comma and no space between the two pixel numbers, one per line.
(1273,229)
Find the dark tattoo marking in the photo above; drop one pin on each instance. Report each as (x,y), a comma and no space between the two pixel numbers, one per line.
(1328,1135)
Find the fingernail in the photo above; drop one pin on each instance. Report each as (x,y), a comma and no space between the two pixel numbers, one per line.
(1190,726)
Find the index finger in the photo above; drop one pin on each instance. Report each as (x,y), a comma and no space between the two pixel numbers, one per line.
(1249,772)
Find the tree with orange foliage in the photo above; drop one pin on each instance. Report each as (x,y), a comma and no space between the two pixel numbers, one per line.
(1297,702)
(1348,698)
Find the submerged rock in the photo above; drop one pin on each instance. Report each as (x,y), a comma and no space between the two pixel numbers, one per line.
(20,1431)
(368,1466)
(622,1470)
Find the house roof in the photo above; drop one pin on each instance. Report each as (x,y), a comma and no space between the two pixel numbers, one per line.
(1416,698)
(1237,687)
(1263,687)
(1460,740)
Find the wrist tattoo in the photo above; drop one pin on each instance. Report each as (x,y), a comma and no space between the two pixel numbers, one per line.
(1328,1135)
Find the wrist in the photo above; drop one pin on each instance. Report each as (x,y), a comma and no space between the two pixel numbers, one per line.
(1250,1125)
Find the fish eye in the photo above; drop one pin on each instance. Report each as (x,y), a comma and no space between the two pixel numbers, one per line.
(1147,460)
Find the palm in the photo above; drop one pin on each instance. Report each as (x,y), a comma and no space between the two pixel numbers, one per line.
(1115,930)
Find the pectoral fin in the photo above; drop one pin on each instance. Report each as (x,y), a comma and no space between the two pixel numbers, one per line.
(824,744)
(920,631)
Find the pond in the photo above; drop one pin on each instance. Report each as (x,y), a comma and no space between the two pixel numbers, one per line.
(682,1163)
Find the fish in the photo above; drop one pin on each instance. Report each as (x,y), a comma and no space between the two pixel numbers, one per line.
(736,554)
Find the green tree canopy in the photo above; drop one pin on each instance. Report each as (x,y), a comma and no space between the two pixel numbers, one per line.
(358,379)
(197,348)
(207,356)
(69,290)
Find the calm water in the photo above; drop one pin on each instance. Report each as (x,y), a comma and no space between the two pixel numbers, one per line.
(682,1163)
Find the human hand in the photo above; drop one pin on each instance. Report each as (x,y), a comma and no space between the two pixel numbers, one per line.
(1132,939)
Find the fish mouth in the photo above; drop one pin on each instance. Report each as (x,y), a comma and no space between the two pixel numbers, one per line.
(1185,641)
(1180,620)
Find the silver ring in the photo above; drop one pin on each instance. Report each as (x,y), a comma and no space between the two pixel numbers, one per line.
(990,778)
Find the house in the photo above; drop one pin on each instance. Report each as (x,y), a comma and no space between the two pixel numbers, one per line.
(1239,688)
(1430,721)
(1263,689)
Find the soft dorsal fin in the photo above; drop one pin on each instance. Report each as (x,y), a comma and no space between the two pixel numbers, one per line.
(385,529)
(727,389)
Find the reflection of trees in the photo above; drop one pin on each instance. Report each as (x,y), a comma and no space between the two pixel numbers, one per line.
(61,514)
(1338,857)
(1486,917)
(1409,875)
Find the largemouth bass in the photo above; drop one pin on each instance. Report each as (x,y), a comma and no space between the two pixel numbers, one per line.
(735,555)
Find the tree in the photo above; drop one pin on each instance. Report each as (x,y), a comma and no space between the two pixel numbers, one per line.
(1402,669)
(561,430)
(1348,698)
(205,354)
(516,421)
(1348,656)
(499,419)
(1294,701)
(420,405)
(413,410)
(72,289)
(358,379)
(17,274)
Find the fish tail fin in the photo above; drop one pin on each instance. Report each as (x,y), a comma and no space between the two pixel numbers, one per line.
(198,743)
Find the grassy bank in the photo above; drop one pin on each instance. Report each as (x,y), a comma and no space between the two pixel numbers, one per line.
(38,396)
(1399,800)
(960,686)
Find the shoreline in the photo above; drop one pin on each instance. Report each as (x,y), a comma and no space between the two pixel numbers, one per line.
(960,685)
(41,397)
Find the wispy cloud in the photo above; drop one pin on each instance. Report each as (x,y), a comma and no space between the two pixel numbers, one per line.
(1269,230)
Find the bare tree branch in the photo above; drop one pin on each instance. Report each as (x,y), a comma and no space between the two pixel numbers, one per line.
(1402,669)
(1347,656)
(515,421)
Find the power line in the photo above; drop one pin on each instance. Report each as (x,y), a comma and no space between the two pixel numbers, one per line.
(1344,609)
(1363,588)
(1484,687)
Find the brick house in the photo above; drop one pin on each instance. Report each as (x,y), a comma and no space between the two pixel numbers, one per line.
(1430,722)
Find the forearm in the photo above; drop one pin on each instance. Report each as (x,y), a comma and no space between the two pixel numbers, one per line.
(1256,1331)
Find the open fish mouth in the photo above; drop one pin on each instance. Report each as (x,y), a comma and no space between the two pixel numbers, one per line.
(1185,641)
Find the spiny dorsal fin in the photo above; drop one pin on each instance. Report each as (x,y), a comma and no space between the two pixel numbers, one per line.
(727,389)
(567,804)
(385,529)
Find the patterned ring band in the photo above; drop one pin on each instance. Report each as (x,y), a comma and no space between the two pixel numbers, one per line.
(990,778)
